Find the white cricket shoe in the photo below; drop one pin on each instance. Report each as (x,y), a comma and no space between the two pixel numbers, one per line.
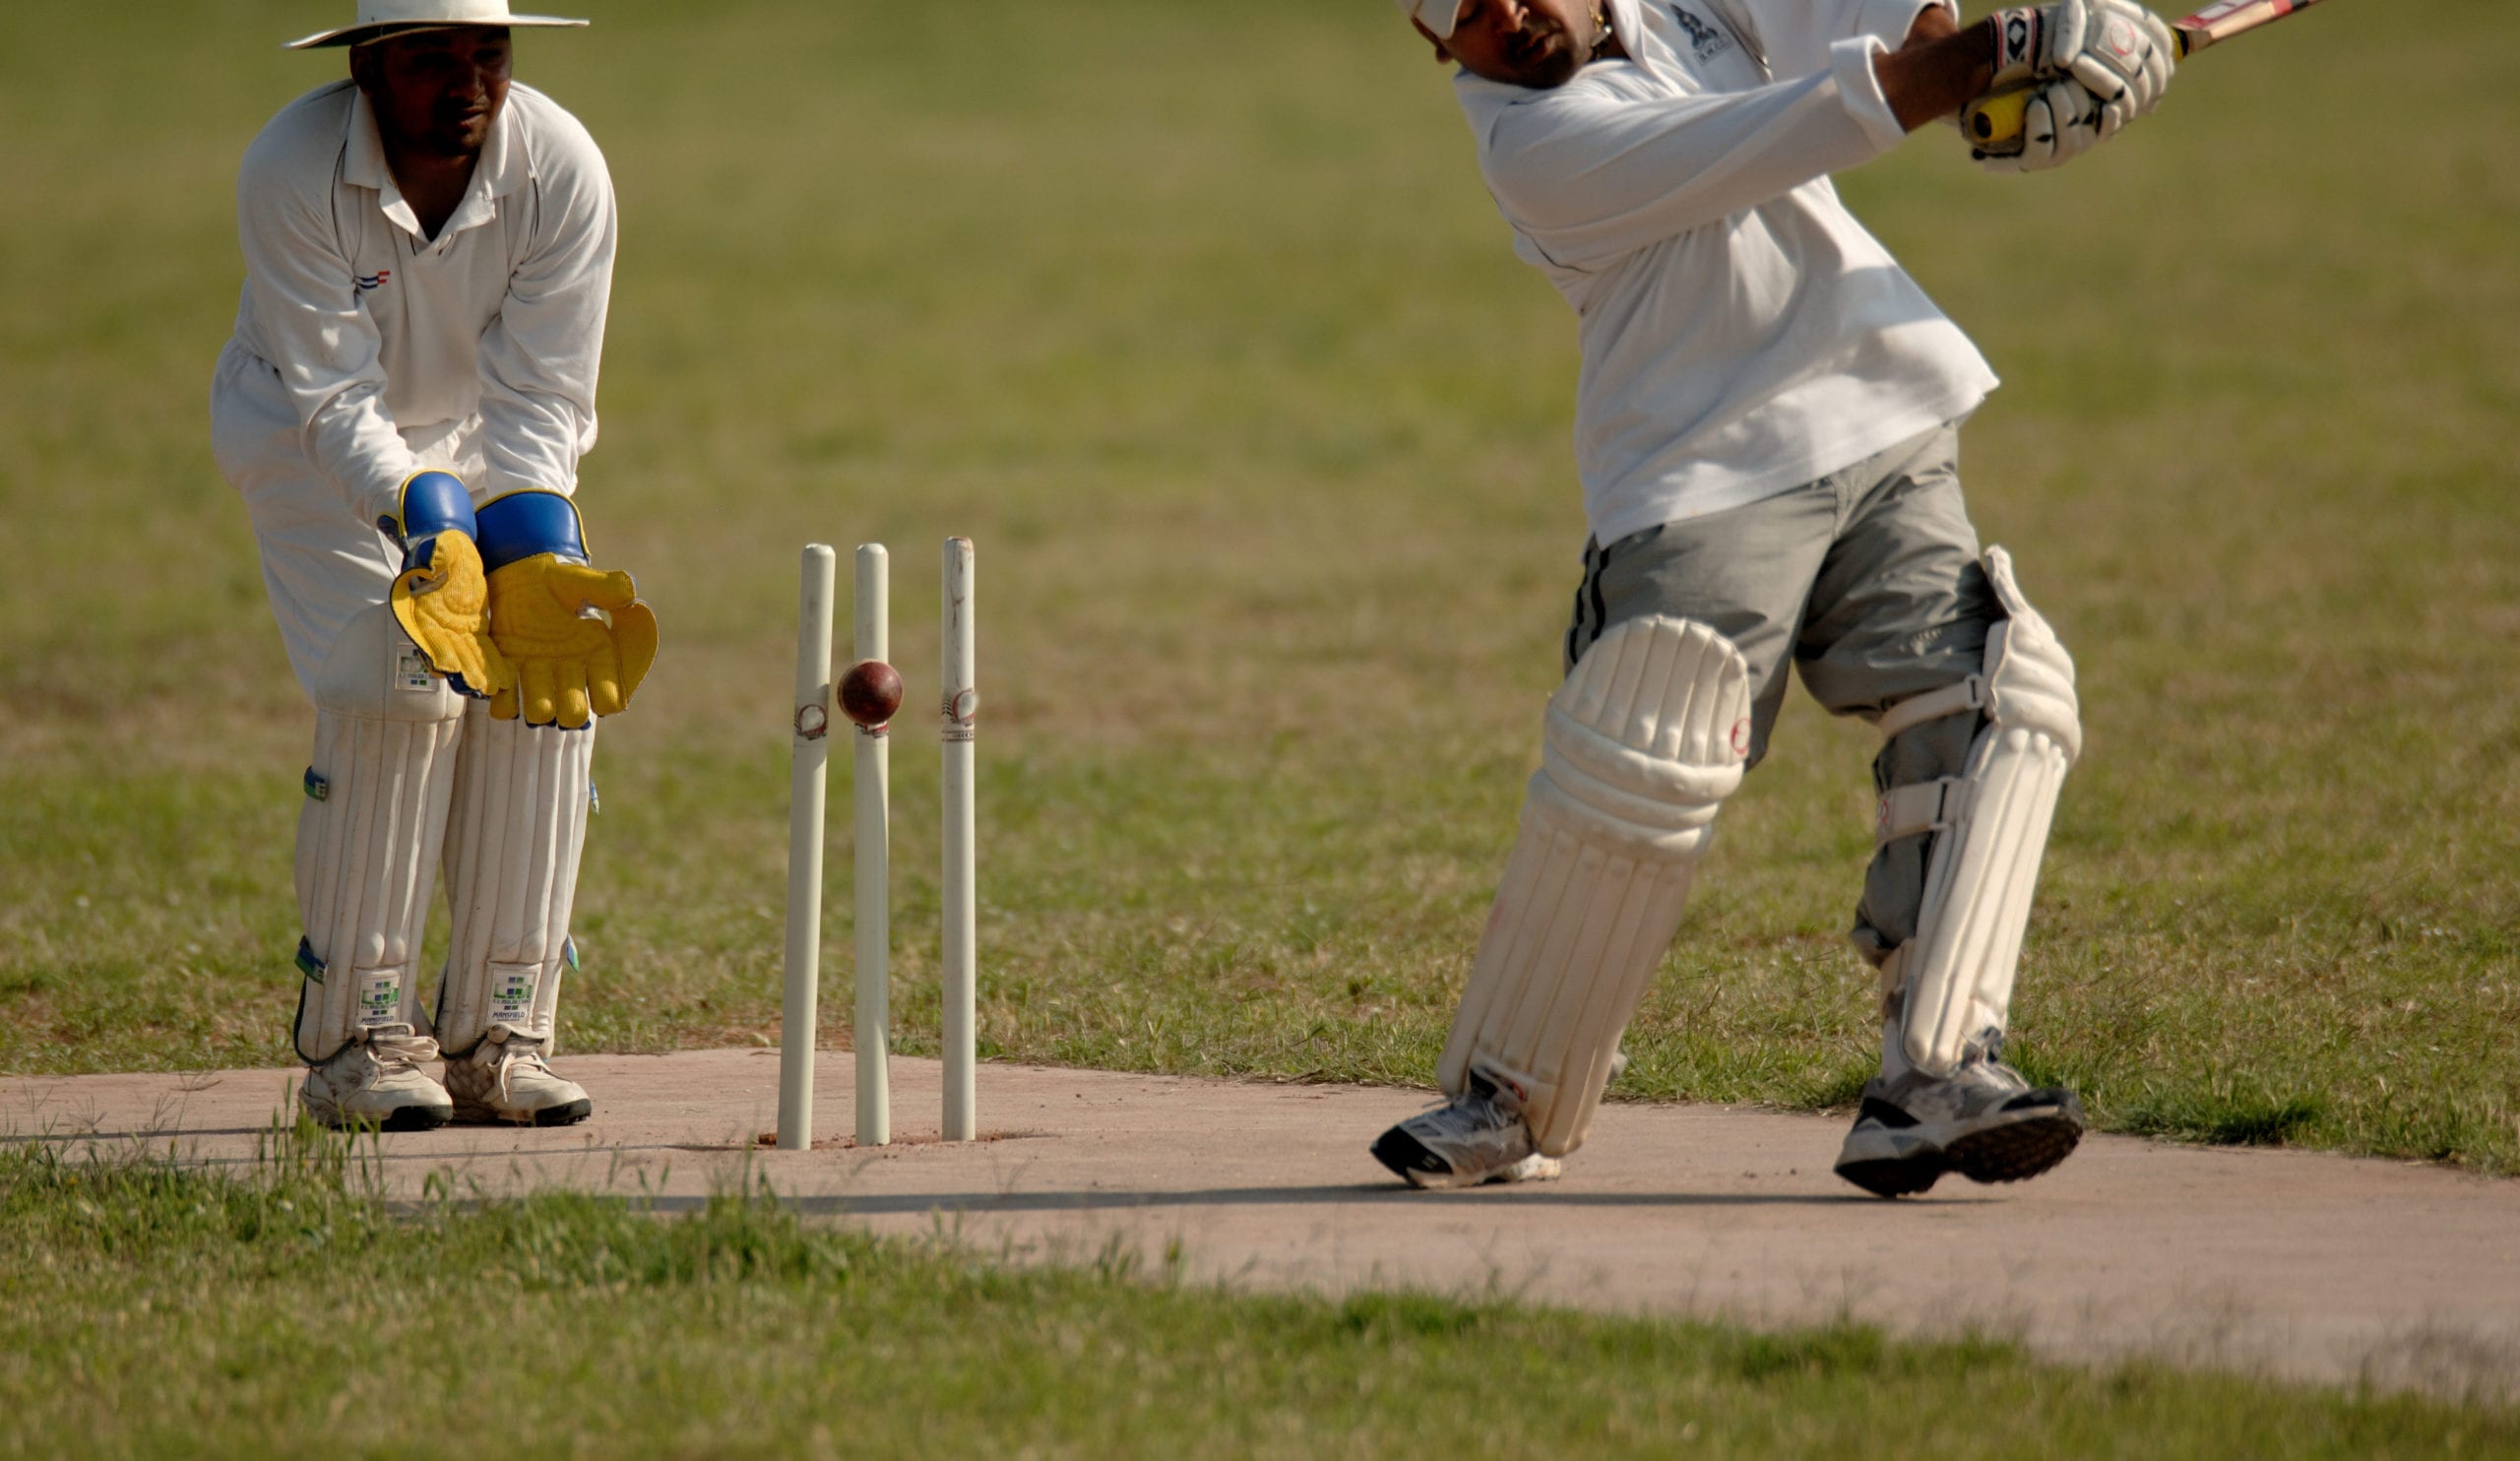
(1986,1122)
(507,1078)
(376,1081)
(1476,1137)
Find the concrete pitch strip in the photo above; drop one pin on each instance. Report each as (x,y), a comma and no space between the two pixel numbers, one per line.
(2295,1265)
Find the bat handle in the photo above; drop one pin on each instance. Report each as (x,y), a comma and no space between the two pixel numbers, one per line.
(1994,124)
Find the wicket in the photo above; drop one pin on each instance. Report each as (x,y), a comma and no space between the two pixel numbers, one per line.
(872,789)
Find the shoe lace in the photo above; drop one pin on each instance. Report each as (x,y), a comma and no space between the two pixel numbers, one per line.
(398,1049)
(1474,1109)
(516,1056)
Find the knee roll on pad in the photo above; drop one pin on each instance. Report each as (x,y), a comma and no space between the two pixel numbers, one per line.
(1950,986)
(368,833)
(1640,746)
(522,796)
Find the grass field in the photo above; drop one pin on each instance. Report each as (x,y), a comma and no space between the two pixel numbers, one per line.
(1196,318)
(1199,322)
(279,1311)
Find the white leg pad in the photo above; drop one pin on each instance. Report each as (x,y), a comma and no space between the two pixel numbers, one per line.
(368,834)
(1641,745)
(1950,986)
(521,797)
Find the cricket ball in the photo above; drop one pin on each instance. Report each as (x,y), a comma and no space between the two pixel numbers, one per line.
(871,692)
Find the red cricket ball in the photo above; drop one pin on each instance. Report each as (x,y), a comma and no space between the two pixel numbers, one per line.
(871,692)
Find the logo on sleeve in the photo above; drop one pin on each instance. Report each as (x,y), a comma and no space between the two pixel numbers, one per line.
(1708,41)
(377,280)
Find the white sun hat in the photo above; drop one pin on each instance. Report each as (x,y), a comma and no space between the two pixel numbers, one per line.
(1438,16)
(380,17)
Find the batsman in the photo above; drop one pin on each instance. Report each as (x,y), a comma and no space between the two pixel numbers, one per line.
(428,256)
(1767,438)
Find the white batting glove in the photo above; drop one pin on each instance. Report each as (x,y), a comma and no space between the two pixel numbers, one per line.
(2063,122)
(2121,53)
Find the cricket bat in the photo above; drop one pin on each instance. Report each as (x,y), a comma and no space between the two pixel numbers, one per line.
(1995,123)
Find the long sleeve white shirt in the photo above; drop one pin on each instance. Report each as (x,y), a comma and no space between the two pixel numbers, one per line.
(1741,333)
(383,341)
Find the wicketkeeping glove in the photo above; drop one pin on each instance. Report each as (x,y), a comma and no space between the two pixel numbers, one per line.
(440,597)
(579,637)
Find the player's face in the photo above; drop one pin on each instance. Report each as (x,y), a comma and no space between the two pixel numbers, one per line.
(436,92)
(1539,43)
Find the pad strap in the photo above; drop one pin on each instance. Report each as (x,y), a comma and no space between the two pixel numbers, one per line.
(1923,807)
(1951,700)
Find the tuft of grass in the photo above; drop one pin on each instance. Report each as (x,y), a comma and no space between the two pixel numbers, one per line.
(282,1307)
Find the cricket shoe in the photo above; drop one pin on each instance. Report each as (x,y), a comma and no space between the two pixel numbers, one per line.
(1478,1136)
(1986,1122)
(507,1078)
(376,1081)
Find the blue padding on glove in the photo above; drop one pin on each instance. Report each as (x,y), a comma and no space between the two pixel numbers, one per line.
(432,502)
(521,525)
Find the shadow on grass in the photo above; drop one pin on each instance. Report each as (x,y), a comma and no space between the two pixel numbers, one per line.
(2223,1119)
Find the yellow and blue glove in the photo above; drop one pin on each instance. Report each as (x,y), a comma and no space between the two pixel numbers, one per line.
(579,638)
(440,597)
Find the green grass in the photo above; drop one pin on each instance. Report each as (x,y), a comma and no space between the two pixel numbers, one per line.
(1197,319)
(281,1309)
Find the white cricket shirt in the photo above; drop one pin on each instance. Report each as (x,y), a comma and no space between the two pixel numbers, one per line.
(479,345)
(1741,333)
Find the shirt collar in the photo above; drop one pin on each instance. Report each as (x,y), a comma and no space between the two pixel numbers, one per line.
(501,170)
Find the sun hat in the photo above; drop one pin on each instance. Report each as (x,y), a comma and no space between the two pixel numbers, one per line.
(1438,16)
(378,18)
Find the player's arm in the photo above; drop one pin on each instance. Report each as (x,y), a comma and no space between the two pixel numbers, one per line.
(325,347)
(1941,68)
(1590,176)
(1796,35)
(579,638)
(541,355)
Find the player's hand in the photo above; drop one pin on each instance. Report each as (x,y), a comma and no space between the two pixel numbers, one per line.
(2122,53)
(440,597)
(580,638)
(442,601)
(2061,121)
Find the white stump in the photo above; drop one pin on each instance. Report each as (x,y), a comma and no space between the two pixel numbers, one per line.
(808,753)
(961,709)
(873,795)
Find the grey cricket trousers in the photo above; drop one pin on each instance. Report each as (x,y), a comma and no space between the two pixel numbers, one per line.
(1868,581)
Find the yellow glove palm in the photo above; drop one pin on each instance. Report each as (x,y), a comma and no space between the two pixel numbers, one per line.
(569,663)
(444,606)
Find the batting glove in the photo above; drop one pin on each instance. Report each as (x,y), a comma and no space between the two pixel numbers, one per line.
(2061,121)
(2121,53)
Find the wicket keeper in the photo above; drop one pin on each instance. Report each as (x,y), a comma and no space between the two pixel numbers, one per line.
(428,254)
(1767,438)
